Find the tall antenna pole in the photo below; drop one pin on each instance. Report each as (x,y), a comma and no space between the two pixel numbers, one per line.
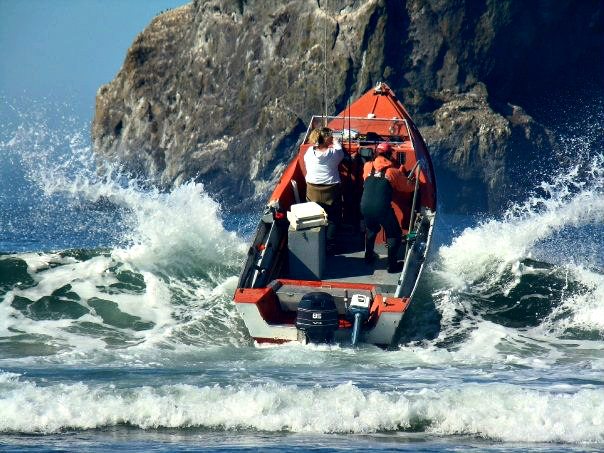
(325,73)
(349,124)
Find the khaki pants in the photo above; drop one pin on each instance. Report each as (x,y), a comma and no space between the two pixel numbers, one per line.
(329,197)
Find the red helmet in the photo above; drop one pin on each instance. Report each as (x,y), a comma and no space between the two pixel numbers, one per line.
(383,148)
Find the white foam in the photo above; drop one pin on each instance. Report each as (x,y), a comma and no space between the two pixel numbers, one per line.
(178,230)
(491,258)
(488,250)
(174,240)
(582,309)
(501,412)
(181,310)
(173,230)
(167,249)
(485,252)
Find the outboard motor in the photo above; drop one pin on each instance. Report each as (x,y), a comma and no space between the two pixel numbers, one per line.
(358,310)
(317,317)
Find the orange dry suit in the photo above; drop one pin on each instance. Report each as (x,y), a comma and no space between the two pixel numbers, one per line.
(381,178)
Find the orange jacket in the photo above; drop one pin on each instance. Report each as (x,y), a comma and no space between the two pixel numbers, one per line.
(395,177)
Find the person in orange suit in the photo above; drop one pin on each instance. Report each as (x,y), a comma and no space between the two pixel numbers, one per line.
(381,178)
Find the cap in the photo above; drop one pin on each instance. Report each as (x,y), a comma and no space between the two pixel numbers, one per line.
(383,148)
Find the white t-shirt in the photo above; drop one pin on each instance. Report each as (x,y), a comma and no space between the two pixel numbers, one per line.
(322,166)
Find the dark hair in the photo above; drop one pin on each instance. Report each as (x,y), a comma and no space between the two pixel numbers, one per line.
(324,134)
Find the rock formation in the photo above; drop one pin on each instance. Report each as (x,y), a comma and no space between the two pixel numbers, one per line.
(220,91)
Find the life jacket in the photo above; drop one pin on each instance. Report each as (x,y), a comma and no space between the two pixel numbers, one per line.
(377,194)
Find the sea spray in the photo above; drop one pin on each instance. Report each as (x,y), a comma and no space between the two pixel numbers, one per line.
(174,228)
(165,277)
(45,148)
(528,267)
(484,252)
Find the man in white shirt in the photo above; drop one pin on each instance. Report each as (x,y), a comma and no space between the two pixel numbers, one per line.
(323,179)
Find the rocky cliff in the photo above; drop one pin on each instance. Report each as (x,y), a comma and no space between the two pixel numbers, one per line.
(220,91)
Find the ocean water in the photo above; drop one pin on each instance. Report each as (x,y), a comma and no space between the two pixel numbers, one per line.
(117,330)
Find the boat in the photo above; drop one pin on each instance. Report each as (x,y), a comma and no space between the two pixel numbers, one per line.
(290,289)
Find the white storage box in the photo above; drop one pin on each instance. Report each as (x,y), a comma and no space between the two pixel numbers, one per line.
(306,215)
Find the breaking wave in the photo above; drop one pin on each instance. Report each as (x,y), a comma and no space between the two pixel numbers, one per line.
(536,272)
(499,412)
(159,273)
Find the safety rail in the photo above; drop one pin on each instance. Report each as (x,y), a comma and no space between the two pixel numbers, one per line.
(363,129)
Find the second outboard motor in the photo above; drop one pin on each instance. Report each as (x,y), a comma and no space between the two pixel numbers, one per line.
(358,310)
(317,317)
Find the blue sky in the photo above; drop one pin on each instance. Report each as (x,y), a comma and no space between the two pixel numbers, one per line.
(66,49)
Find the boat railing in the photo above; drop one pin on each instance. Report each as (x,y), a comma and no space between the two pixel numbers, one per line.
(363,129)
(410,134)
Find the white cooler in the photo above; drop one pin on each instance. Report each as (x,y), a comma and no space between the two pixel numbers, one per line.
(306,215)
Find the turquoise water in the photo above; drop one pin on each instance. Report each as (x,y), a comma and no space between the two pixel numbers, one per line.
(117,330)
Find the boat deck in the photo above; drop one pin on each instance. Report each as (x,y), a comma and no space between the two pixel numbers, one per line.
(348,264)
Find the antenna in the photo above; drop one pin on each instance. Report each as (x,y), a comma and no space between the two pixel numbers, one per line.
(325,72)
(349,125)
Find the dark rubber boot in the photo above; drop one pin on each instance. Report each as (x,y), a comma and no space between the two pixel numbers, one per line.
(370,255)
(393,247)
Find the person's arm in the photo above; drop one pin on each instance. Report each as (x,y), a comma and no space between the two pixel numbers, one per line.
(398,180)
(338,152)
